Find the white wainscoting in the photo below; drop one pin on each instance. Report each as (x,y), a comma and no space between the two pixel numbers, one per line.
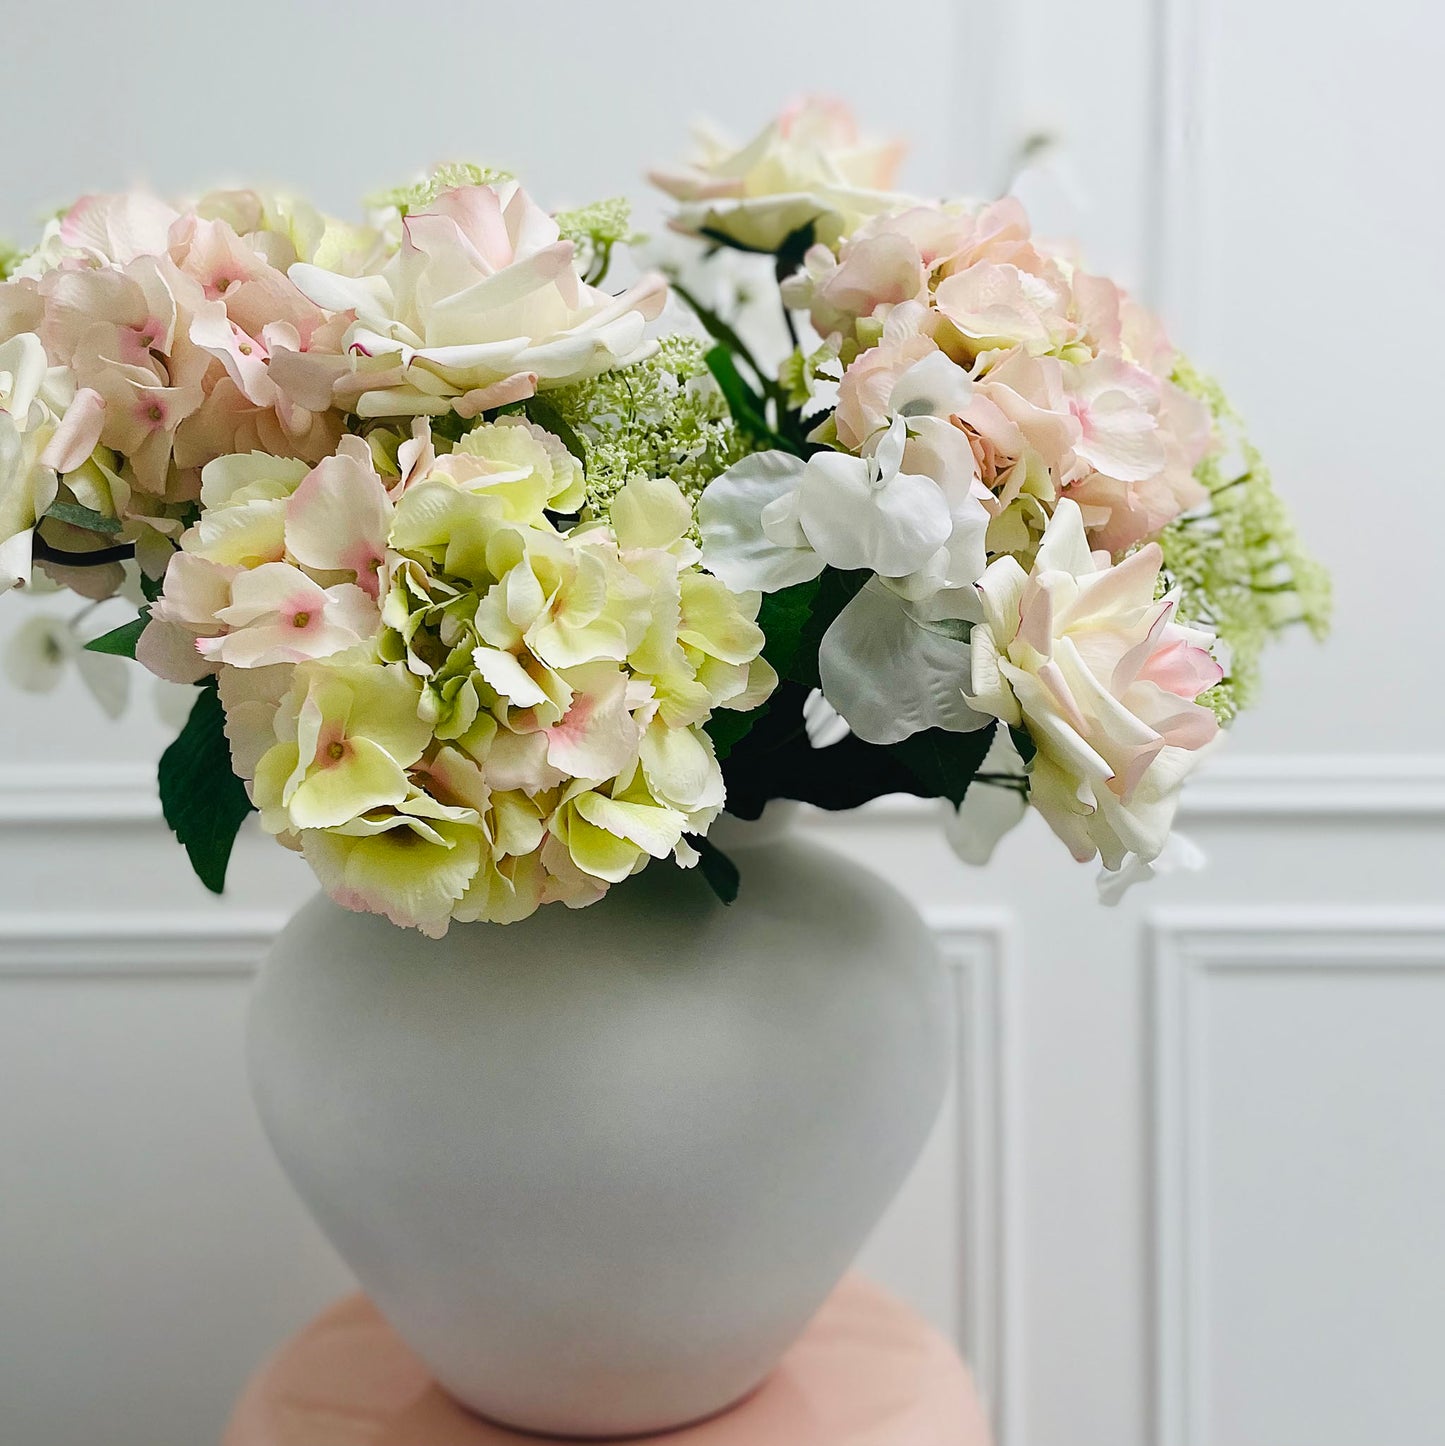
(956,1243)
(100,945)
(976,945)
(1384,1348)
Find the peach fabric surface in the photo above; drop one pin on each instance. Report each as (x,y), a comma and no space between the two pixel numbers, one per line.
(867,1372)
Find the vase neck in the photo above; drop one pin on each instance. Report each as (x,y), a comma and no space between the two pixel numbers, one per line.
(779,818)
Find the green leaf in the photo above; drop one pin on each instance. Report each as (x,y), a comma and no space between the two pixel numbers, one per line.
(728,727)
(721,332)
(1024,746)
(835,591)
(776,760)
(86,517)
(120,642)
(794,247)
(152,587)
(540,411)
(203,801)
(744,403)
(945,762)
(719,870)
(723,240)
(782,617)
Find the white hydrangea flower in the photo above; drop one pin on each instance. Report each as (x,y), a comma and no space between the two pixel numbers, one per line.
(896,660)
(45,648)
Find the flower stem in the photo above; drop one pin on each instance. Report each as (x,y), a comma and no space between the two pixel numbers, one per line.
(42,550)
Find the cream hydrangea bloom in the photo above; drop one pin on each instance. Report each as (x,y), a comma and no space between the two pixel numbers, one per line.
(1082,654)
(454,708)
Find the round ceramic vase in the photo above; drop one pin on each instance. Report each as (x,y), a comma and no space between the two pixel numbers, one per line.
(601,1167)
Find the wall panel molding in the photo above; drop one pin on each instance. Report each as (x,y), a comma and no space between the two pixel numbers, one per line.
(1188,949)
(48,793)
(976,946)
(1174,211)
(100,944)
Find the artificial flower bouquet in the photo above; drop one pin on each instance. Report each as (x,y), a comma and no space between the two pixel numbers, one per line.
(496,584)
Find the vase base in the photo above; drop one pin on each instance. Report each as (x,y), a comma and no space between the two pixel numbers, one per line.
(868,1371)
(663,1434)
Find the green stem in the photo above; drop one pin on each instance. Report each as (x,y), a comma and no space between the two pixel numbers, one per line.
(44,552)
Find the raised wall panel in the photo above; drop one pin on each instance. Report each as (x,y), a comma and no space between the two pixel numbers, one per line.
(1299,1168)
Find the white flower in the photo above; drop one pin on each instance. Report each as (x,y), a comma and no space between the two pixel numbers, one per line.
(481,306)
(895,661)
(1082,654)
(44,648)
(808,166)
(848,512)
(868,513)
(892,673)
(825,725)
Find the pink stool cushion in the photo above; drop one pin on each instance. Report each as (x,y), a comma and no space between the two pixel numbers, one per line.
(867,1372)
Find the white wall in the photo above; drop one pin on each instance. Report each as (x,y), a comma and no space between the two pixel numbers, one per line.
(1189,1189)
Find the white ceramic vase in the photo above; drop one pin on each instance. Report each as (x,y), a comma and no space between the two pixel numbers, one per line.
(601,1167)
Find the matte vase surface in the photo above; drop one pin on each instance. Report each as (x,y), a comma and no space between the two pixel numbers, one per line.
(600,1168)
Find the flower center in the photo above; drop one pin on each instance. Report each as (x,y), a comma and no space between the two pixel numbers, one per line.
(336,752)
(300,620)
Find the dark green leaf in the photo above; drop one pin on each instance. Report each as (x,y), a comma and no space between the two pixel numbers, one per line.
(776,760)
(721,238)
(202,799)
(86,517)
(945,762)
(151,587)
(835,591)
(782,617)
(719,870)
(794,247)
(546,416)
(744,403)
(449,427)
(728,727)
(120,641)
(1023,744)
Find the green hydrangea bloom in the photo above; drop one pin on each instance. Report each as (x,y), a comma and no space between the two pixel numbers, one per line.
(10,258)
(662,417)
(1238,561)
(422,193)
(595,230)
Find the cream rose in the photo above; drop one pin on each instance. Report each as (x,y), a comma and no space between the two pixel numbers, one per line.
(1083,655)
(481,306)
(807,166)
